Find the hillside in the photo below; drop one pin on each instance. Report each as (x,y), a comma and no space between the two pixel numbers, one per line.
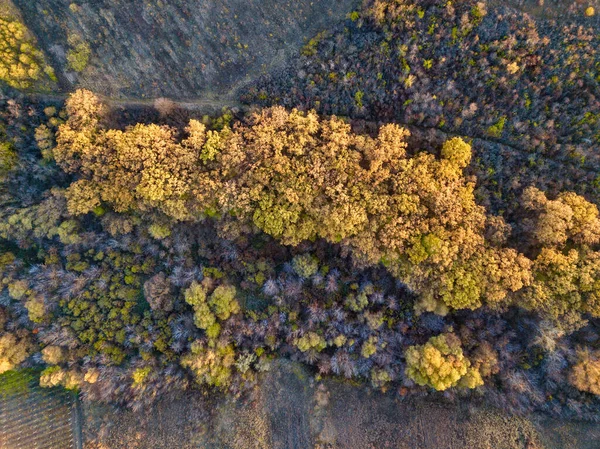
(178,49)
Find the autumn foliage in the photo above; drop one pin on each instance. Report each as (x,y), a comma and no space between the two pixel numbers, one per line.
(440,363)
(297,177)
(193,255)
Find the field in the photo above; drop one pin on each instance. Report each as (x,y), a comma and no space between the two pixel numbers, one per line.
(35,418)
(292,411)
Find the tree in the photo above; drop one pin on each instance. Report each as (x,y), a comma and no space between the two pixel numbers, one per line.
(21,63)
(211,366)
(569,218)
(14,349)
(297,177)
(53,355)
(54,376)
(159,293)
(8,158)
(223,302)
(153,171)
(441,364)
(585,374)
(78,55)
(195,296)
(220,304)
(305,265)
(566,270)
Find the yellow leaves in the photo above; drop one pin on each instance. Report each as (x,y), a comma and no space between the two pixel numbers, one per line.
(223,302)
(18,289)
(84,109)
(567,270)
(211,365)
(212,147)
(36,309)
(82,197)
(79,53)
(53,355)
(8,159)
(554,223)
(220,304)
(91,376)
(20,62)
(565,282)
(512,68)
(457,151)
(311,340)
(387,150)
(585,374)
(140,375)
(54,376)
(343,221)
(14,349)
(369,347)
(195,294)
(569,217)
(142,167)
(298,178)
(472,379)
(441,364)
(159,231)
(585,224)
(281,222)
(505,271)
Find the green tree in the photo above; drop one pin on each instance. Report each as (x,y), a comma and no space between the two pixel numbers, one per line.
(79,54)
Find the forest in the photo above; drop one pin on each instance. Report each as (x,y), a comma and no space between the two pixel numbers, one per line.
(386,223)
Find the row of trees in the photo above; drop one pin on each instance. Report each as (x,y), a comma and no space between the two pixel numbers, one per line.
(297,177)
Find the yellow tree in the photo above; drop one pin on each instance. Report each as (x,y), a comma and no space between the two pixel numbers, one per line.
(585,374)
(297,177)
(141,168)
(21,63)
(441,364)
(566,269)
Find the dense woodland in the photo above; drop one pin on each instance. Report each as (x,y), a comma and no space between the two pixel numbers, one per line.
(178,252)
